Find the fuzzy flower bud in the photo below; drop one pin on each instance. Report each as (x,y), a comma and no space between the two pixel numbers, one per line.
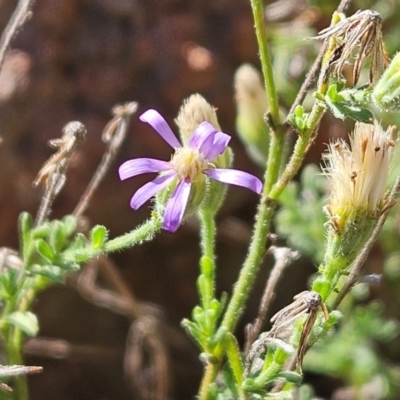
(251,104)
(386,93)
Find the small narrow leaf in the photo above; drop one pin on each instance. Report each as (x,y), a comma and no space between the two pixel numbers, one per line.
(98,236)
(26,321)
(235,361)
(25,224)
(69,224)
(45,251)
(291,376)
(57,236)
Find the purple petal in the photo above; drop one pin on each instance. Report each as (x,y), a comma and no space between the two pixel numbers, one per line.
(176,206)
(151,189)
(235,177)
(217,147)
(209,141)
(154,118)
(140,166)
(201,134)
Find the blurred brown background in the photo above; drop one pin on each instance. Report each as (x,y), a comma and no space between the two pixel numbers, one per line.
(74,60)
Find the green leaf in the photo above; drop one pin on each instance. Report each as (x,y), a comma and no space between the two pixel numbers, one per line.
(198,315)
(298,119)
(45,251)
(291,376)
(57,237)
(7,286)
(79,242)
(69,224)
(301,219)
(98,236)
(25,225)
(52,272)
(194,331)
(26,321)
(235,361)
(347,106)
(42,231)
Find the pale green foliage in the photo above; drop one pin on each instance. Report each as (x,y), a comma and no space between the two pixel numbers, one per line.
(301,219)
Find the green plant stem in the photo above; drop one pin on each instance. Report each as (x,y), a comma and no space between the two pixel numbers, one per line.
(271,191)
(301,147)
(207,234)
(14,339)
(14,349)
(250,267)
(265,209)
(209,376)
(139,235)
(257,7)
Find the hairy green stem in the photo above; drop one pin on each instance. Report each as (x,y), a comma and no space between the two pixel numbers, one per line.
(143,233)
(139,235)
(207,234)
(209,376)
(14,350)
(266,64)
(250,267)
(13,337)
(299,152)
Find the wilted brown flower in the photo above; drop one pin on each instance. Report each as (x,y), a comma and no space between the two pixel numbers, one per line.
(363,30)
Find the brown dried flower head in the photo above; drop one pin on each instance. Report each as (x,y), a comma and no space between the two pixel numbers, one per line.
(362,32)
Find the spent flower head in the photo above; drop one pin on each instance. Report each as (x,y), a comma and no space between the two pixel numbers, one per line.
(361,31)
(190,165)
(359,172)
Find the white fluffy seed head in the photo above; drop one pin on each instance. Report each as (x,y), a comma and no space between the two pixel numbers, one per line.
(359,172)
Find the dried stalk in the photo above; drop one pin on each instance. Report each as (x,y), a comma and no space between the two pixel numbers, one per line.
(21,14)
(283,258)
(114,135)
(53,172)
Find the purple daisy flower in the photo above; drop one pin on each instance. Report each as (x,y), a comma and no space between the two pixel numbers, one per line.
(189,164)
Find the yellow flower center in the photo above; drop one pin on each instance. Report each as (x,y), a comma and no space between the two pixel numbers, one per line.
(189,163)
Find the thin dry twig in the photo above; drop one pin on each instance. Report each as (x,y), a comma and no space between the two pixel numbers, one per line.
(21,14)
(360,260)
(15,370)
(283,258)
(146,358)
(114,135)
(53,172)
(58,349)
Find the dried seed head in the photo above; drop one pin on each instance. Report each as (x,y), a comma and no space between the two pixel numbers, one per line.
(362,32)
(359,172)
